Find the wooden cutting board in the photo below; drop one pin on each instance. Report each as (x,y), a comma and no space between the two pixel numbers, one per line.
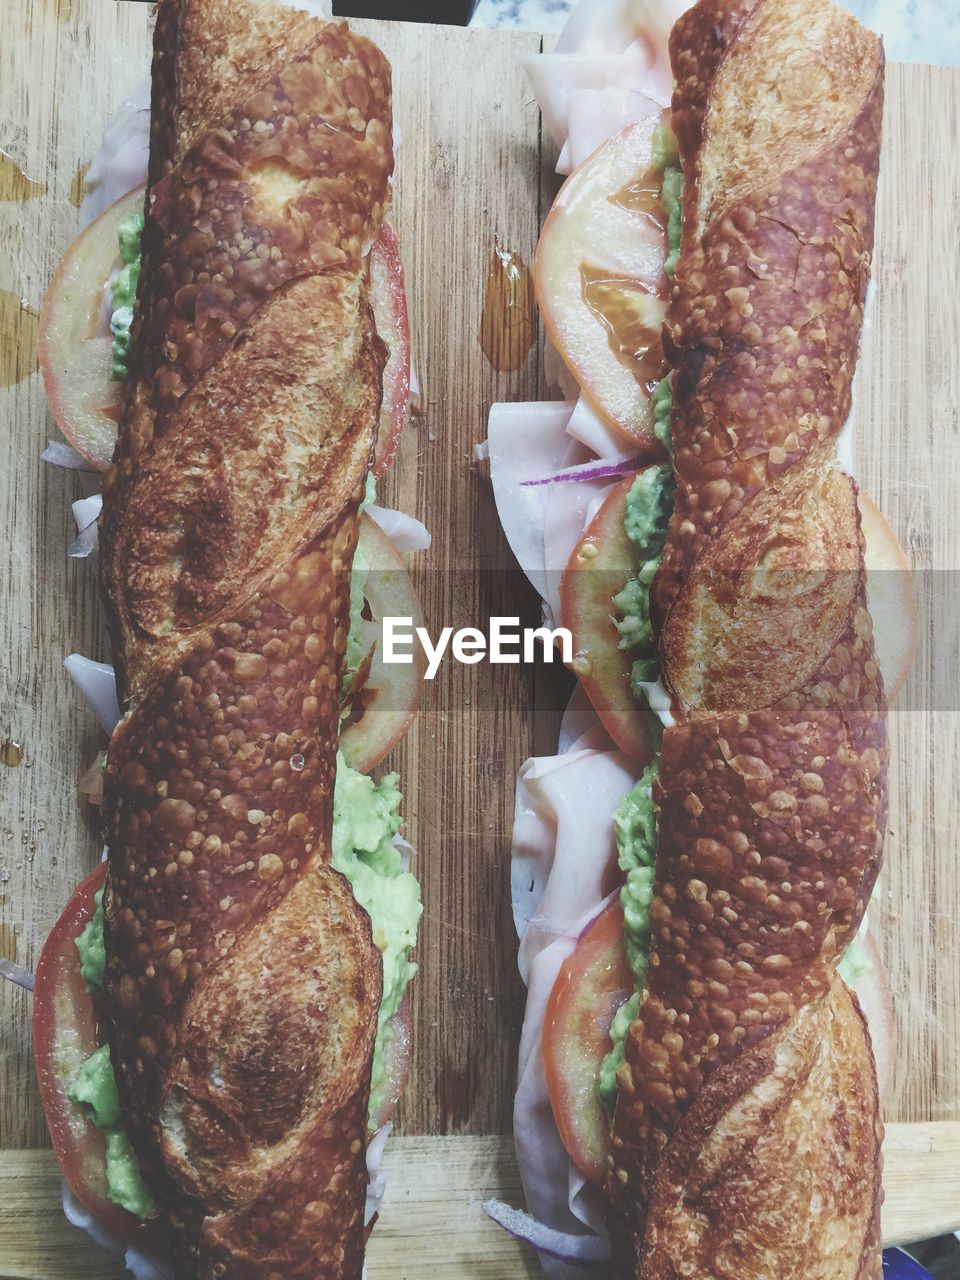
(473,171)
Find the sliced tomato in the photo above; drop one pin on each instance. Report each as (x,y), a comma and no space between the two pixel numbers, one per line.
(892,598)
(74,360)
(396,1062)
(65,1034)
(389,302)
(600,566)
(600,280)
(382,711)
(593,983)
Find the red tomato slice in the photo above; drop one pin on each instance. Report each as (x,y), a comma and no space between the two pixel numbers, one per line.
(65,1034)
(396,1062)
(382,711)
(600,281)
(75,363)
(389,302)
(601,563)
(593,983)
(65,1028)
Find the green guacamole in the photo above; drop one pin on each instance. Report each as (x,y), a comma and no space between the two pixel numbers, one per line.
(854,963)
(635,828)
(662,402)
(666,159)
(649,504)
(672,192)
(665,150)
(96,1087)
(93,956)
(123,293)
(365,819)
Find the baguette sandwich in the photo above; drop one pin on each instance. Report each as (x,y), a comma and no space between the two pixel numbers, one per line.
(698,1091)
(221,1021)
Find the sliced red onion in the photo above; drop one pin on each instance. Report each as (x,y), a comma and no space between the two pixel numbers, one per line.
(405,532)
(376,1178)
(97,681)
(587,1252)
(17,974)
(90,782)
(596,469)
(59,454)
(86,512)
(407,851)
(414,380)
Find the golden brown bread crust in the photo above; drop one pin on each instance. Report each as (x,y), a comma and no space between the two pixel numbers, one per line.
(243,980)
(788,1135)
(254,314)
(746,1140)
(764,323)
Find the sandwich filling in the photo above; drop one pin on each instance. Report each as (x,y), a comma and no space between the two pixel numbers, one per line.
(366,821)
(123,293)
(366,818)
(648,509)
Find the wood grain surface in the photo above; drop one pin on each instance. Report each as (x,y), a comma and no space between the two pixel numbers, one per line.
(473,170)
(433,1223)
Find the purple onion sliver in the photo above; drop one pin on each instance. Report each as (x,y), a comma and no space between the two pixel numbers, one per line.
(58,454)
(84,544)
(16,974)
(587,1252)
(97,681)
(601,469)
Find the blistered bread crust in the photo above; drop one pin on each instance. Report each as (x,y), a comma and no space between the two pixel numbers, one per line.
(763,326)
(746,1141)
(242,978)
(255,363)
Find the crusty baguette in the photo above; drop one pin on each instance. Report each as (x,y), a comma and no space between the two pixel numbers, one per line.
(242,981)
(746,1140)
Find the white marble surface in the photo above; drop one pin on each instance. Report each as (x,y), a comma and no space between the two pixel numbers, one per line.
(913,30)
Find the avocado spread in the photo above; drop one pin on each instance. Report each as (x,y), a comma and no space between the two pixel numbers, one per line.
(365,819)
(662,402)
(666,159)
(635,829)
(123,293)
(96,1087)
(93,956)
(649,504)
(854,962)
